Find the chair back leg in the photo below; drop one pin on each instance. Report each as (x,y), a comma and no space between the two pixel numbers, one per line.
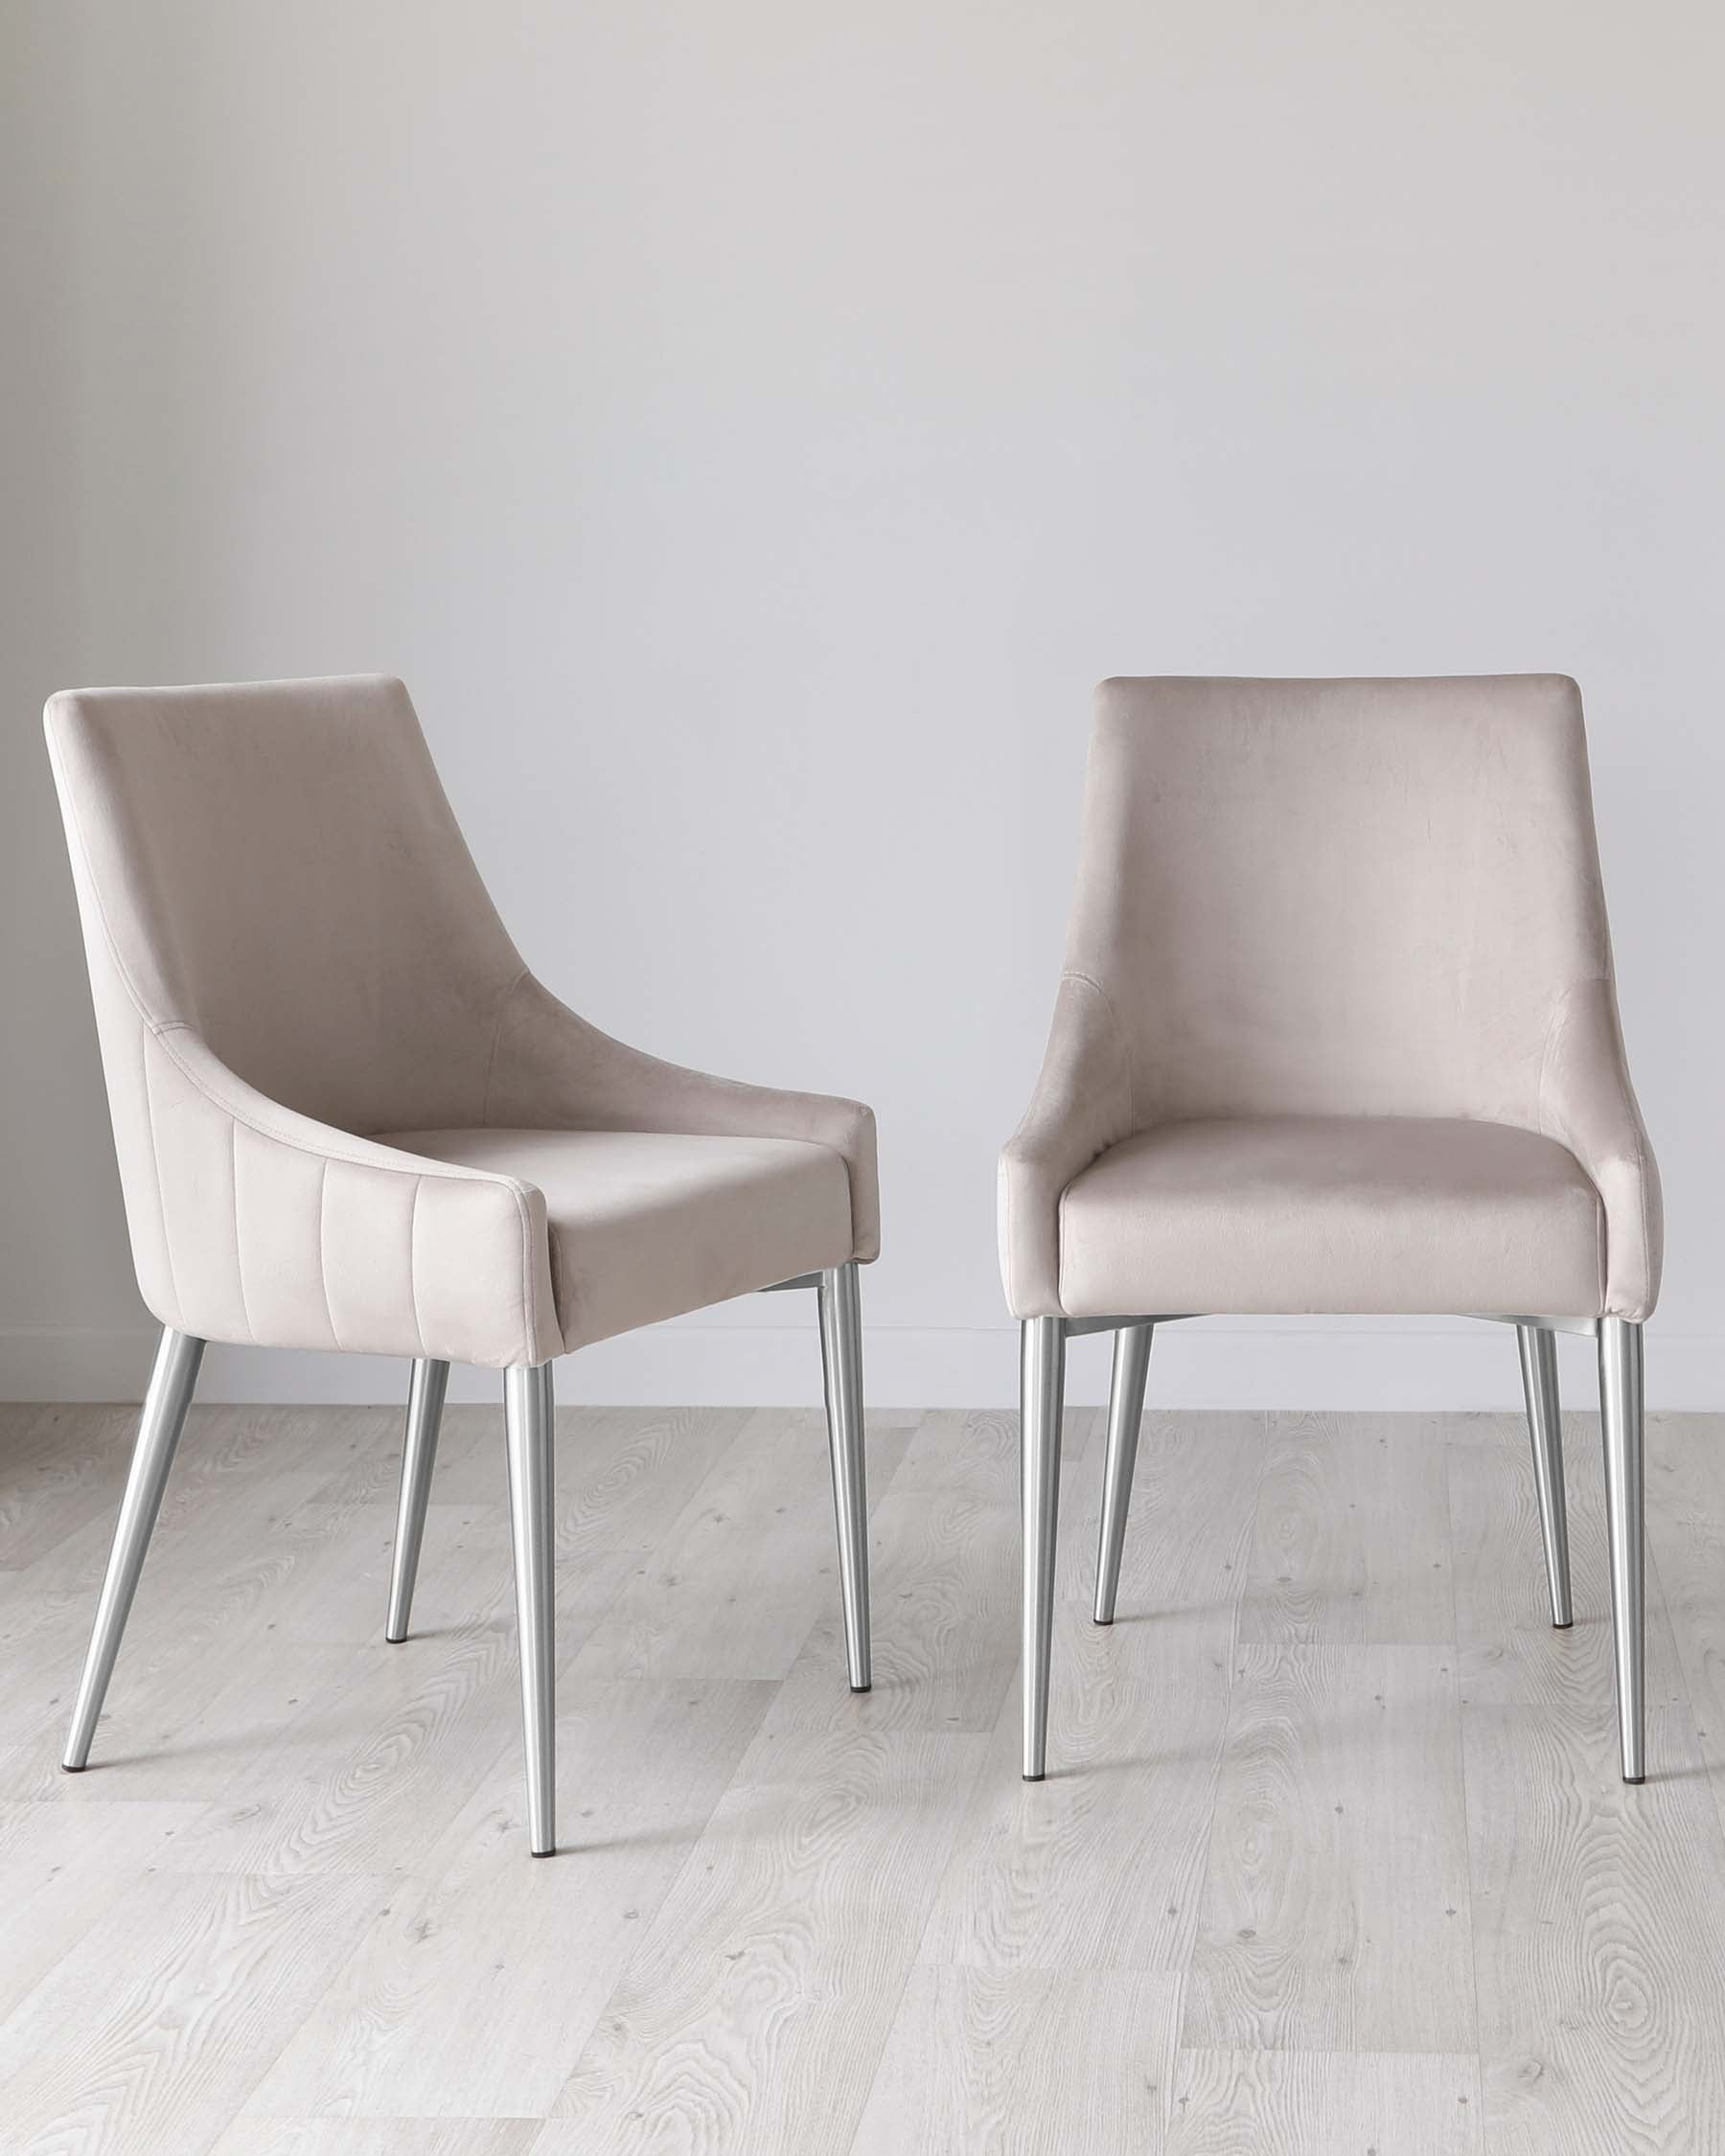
(1621,1399)
(425,1392)
(1545,1425)
(842,1370)
(1042,1399)
(1125,1414)
(528,1414)
(172,1384)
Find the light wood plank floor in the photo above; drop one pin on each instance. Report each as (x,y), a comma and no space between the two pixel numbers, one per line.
(1334,1857)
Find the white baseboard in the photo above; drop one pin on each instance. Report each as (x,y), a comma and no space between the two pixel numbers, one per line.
(1214,1363)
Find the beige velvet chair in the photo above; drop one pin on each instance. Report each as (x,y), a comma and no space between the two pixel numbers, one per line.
(348,1117)
(1337,1031)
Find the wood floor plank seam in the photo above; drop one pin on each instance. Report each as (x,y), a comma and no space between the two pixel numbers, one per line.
(1466,1808)
(288,1912)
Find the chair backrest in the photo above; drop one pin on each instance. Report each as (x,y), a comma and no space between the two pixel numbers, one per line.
(1352,897)
(276,866)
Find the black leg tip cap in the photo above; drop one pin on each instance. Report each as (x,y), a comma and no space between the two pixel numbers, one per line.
(1635,1781)
(67,1770)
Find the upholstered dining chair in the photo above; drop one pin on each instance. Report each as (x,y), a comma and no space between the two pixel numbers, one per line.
(1337,1032)
(348,1117)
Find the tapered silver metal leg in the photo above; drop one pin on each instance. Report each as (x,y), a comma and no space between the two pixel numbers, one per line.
(419,1455)
(528,1414)
(842,1367)
(1125,1412)
(1042,1394)
(1621,1415)
(159,1425)
(1545,1425)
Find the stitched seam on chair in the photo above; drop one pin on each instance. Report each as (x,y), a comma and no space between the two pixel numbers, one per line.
(1090,981)
(1641,1176)
(238,1250)
(179,1305)
(1602,1240)
(438,1171)
(1076,975)
(529,1285)
(419,1329)
(1639,1156)
(1548,1049)
(162,1027)
(323,1265)
(490,1062)
(422,1166)
(75,824)
(528,1299)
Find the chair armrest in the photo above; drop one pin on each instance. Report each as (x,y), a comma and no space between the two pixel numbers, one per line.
(1588,1104)
(1082,1105)
(273,1228)
(552,1070)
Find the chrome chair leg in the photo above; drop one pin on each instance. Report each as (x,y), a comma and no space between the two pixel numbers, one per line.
(1538,1346)
(841,1369)
(426,1391)
(1042,1391)
(1621,1415)
(1125,1412)
(527,1401)
(171,1383)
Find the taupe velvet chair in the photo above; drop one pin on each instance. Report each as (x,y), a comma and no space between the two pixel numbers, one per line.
(348,1117)
(1337,1031)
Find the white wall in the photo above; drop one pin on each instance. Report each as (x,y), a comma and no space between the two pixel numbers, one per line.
(750,429)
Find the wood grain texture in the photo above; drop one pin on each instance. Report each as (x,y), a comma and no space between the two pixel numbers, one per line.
(1351,1546)
(1599,1937)
(1335,1913)
(1189,1531)
(1099,1866)
(288,1910)
(149,2032)
(1325,2103)
(55,1893)
(623,1473)
(747,1566)
(446,2008)
(754,2011)
(1509,1648)
(943,1568)
(1686,1533)
(378,2136)
(1032,2062)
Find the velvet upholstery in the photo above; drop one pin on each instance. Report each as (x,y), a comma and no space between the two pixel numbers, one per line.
(335,1086)
(1337,1028)
(704,1218)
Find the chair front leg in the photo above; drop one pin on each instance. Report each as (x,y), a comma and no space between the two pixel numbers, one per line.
(426,1391)
(1538,1346)
(531,1434)
(172,1384)
(1125,1414)
(1620,1416)
(841,1369)
(1042,1397)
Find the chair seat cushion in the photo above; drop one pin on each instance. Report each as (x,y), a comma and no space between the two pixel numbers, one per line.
(1370,1214)
(647,1225)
